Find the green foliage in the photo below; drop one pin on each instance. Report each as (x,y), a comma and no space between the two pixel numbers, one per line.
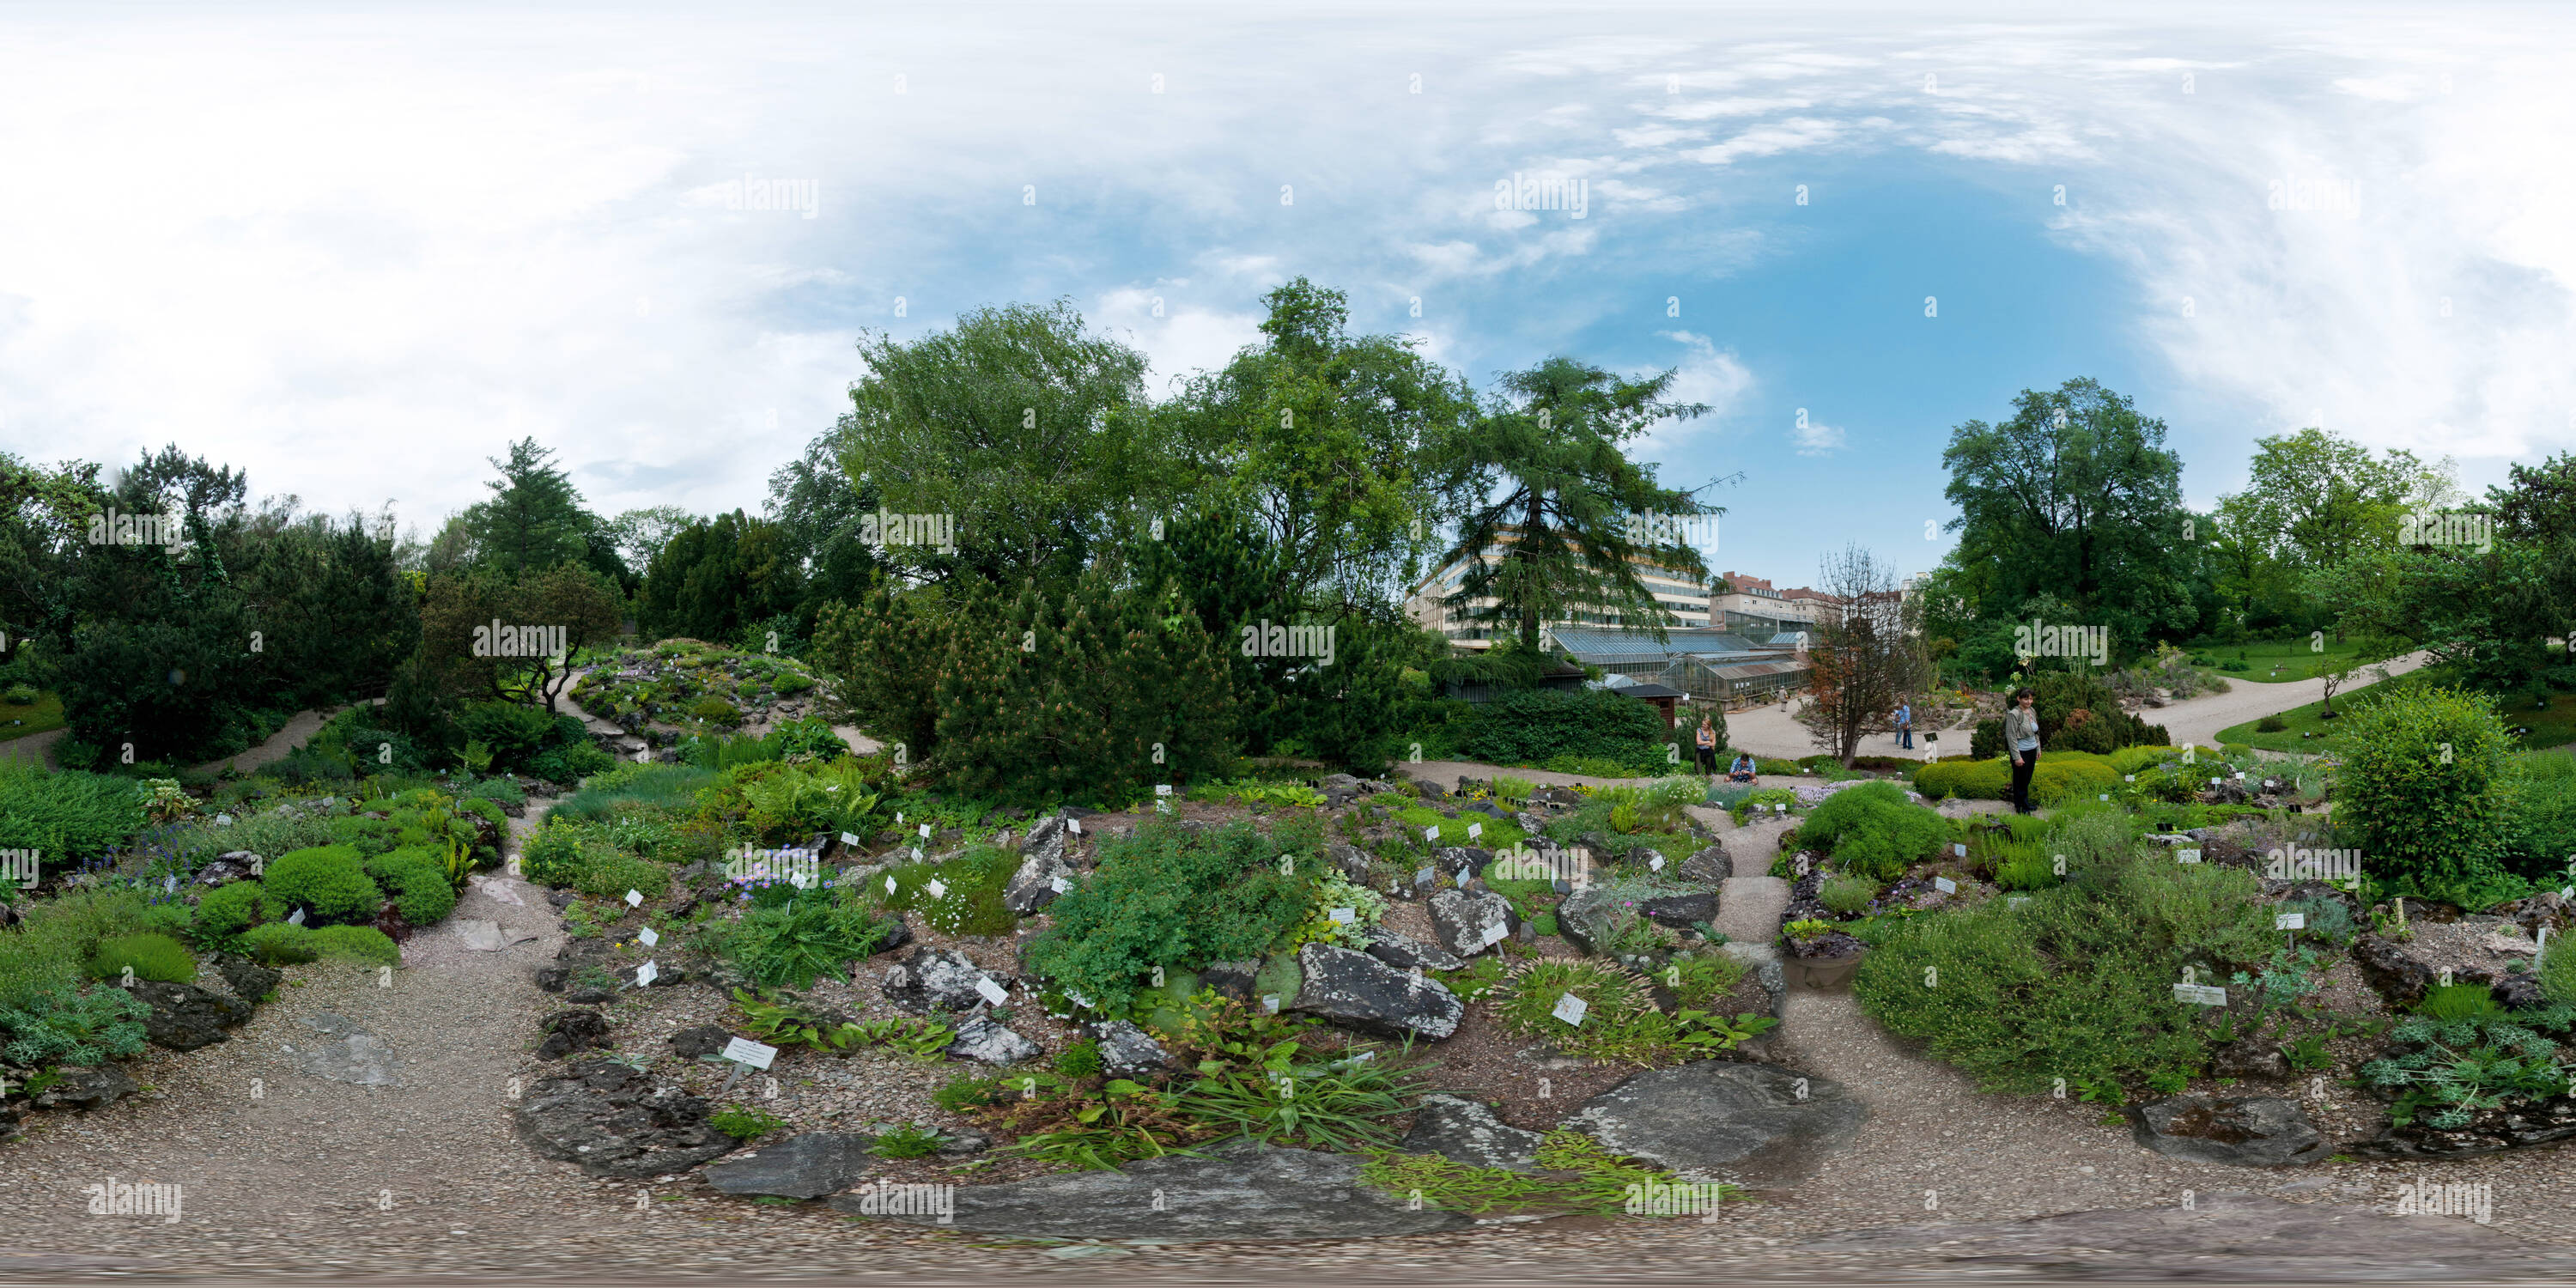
(973,883)
(792,944)
(1577,1175)
(1366,906)
(906,1141)
(1762,799)
(2457,1002)
(1171,898)
(1081,1060)
(154,957)
(1620,1022)
(2271,724)
(745,1123)
(357,943)
(1873,831)
(2061,775)
(2460,1067)
(669,791)
(224,912)
(67,817)
(2075,984)
(1531,725)
(68,1026)
(2540,827)
(417,881)
(279,943)
(2422,791)
(1848,895)
(327,882)
(1339,1105)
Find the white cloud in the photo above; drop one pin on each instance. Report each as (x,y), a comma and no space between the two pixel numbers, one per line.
(1816,438)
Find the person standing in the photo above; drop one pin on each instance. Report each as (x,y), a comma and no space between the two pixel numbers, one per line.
(1905,725)
(1707,747)
(2021,741)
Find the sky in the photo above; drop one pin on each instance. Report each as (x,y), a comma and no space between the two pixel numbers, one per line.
(358,249)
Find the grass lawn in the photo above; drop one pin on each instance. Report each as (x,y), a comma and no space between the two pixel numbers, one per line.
(2554,727)
(2292,656)
(19,722)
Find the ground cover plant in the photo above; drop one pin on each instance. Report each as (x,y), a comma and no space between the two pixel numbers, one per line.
(1873,831)
(1163,897)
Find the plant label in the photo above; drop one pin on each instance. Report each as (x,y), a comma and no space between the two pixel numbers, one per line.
(992,992)
(1162,789)
(849,838)
(746,1051)
(295,918)
(2290,921)
(1959,850)
(1945,885)
(938,889)
(2215,781)
(1073,825)
(2186,856)
(650,936)
(1655,864)
(634,898)
(1270,1003)
(223,820)
(1060,885)
(925,831)
(169,884)
(1570,1009)
(2129,778)
(916,854)
(1344,916)
(898,818)
(1780,809)
(1498,934)
(1475,831)
(1431,833)
(647,973)
(889,885)
(2200,994)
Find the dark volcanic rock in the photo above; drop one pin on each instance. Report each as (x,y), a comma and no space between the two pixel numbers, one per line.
(616,1121)
(1127,1051)
(570,1031)
(704,1039)
(2388,967)
(1681,911)
(1232,979)
(1360,992)
(936,979)
(1403,952)
(1469,923)
(79,1088)
(249,981)
(185,1016)
(2249,1059)
(2247,1131)
(1757,1124)
(1237,1192)
(1710,864)
(800,1167)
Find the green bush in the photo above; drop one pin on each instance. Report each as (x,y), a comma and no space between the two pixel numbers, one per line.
(2077,984)
(360,943)
(66,817)
(279,943)
(2271,724)
(1873,831)
(224,912)
(973,883)
(1176,899)
(514,733)
(811,935)
(2558,976)
(2423,793)
(571,762)
(553,856)
(69,1026)
(2540,828)
(153,957)
(417,881)
(1848,896)
(1531,725)
(608,873)
(45,954)
(327,882)
(2061,775)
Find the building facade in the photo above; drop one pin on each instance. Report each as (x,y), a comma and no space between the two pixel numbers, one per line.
(1683,598)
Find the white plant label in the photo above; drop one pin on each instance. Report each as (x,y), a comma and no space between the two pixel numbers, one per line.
(849,838)
(1162,789)
(992,992)
(647,973)
(1344,916)
(1959,850)
(925,831)
(1432,833)
(295,918)
(938,889)
(634,898)
(1945,885)
(916,854)
(2200,994)
(2290,921)
(746,1051)
(2186,856)
(1475,831)
(1073,825)
(1059,885)
(1570,1009)
(1497,935)
(1655,864)
(889,885)
(1270,1003)
(650,936)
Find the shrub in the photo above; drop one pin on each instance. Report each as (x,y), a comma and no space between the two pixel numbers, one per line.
(1170,898)
(20,695)
(69,1026)
(66,817)
(361,943)
(1530,725)
(2558,976)
(2271,724)
(811,935)
(1873,831)
(1620,1021)
(224,912)
(2422,792)
(571,762)
(417,882)
(327,882)
(608,873)
(513,732)
(154,957)
(1848,895)
(2540,829)
(280,943)
(2076,984)
(552,857)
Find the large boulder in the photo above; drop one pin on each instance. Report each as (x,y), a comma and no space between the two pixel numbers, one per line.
(76,1087)
(1352,862)
(700,1040)
(1681,911)
(986,1042)
(185,1016)
(1235,979)
(1755,1124)
(2247,1131)
(1043,875)
(1469,923)
(1360,992)
(612,1120)
(2389,968)
(1127,1051)
(1405,953)
(1462,861)
(1236,1192)
(1468,1133)
(234,865)
(807,1166)
(936,979)
(1712,864)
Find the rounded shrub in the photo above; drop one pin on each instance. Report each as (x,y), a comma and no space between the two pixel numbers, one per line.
(1873,831)
(417,883)
(552,857)
(280,943)
(2271,724)
(2422,791)
(155,957)
(360,943)
(328,882)
(224,912)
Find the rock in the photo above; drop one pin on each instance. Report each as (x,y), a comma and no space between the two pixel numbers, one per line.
(1351,861)
(552,978)
(2518,990)
(964,1142)
(347,1053)
(77,1087)
(1461,861)
(986,1042)
(480,936)
(564,898)
(703,1039)
(2249,1059)
(615,1121)
(185,1016)
(1232,979)
(2397,975)
(806,1166)
(249,981)
(2516,1124)
(2247,1131)
(1403,952)
(233,865)
(1681,911)
(1360,992)
(570,1031)
(1463,1131)
(1565,796)
(591,996)
(1127,1051)
(935,979)
(1756,1124)
(1236,1192)
(1712,864)
(1490,810)
(1033,887)
(1339,782)
(898,933)
(1469,923)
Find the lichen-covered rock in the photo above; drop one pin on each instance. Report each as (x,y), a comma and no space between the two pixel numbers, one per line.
(1360,992)
(185,1017)
(936,979)
(986,1042)
(1405,953)
(1042,876)
(2390,969)
(2247,1131)
(1467,923)
(1756,1124)
(612,1120)
(1465,1132)
(1127,1051)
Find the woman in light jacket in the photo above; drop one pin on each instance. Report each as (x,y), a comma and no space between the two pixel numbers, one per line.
(2021,742)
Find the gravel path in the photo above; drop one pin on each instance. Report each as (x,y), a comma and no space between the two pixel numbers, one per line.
(35,746)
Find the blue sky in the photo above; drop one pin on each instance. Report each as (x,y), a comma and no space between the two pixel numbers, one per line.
(358,251)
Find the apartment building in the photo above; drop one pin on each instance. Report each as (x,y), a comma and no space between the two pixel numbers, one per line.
(1683,598)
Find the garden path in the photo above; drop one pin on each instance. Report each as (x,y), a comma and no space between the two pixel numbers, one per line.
(37,747)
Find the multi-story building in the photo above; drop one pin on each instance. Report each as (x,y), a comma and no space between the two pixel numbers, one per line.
(1753,605)
(1683,598)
